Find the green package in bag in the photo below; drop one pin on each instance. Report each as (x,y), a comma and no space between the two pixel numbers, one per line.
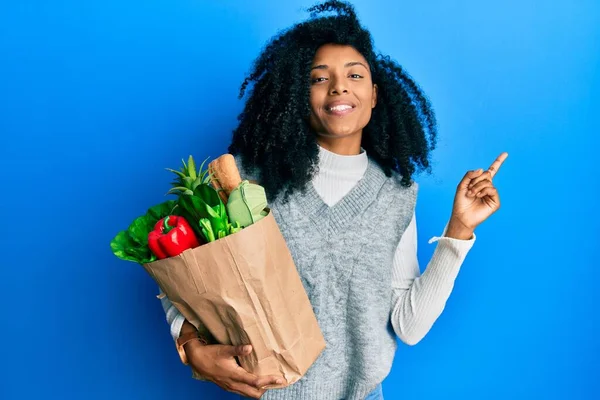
(246,204)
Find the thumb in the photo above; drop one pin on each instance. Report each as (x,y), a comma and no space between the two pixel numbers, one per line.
(241,350)
(464,183)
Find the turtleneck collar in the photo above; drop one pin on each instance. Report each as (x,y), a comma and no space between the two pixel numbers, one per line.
(354,164)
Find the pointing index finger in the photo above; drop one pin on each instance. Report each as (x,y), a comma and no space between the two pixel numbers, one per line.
(497,163)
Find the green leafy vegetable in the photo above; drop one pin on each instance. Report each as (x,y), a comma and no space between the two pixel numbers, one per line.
(198,201)
(132,244)
(247,204)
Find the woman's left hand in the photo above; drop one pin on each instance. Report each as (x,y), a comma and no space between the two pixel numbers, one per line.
(475,200)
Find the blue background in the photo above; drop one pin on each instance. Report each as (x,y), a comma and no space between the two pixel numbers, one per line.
(98,97)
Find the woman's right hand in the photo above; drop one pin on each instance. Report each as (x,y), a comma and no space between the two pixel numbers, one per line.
(217,364)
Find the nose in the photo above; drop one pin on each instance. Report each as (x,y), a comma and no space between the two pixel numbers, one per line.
(337,86)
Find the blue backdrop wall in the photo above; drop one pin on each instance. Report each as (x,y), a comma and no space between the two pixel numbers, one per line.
(98,97)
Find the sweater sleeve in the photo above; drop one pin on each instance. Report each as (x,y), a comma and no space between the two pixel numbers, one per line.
(418,300)
(174,318)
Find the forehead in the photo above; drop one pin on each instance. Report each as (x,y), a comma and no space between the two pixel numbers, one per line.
(335,53)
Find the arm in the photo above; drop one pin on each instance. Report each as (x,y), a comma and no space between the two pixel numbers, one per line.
(217,363)
(180,326)
(174,318)
(418,300)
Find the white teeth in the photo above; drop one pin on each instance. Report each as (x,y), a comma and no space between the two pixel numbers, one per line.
(340,108)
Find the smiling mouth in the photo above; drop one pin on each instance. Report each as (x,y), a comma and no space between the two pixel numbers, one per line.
(340,110)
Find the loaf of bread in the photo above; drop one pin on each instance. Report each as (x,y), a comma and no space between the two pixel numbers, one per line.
(224,175)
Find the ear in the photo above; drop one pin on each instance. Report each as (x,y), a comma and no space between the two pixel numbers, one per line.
(374,97)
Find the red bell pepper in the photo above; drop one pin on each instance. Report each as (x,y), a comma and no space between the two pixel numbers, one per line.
(171,236)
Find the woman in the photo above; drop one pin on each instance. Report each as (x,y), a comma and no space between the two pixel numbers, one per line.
(334,133)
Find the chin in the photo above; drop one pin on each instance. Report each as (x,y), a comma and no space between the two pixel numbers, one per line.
(340,133)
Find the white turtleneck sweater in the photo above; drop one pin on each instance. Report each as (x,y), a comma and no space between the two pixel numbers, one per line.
(424,296)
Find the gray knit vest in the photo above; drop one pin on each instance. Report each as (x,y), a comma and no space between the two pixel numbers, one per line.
(344,256)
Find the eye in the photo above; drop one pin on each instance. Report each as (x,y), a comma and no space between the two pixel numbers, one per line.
(355,76)
(317,80)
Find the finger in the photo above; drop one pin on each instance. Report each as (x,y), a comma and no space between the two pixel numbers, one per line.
(486,175)
(269,380)
(479,187)
(234,351)
(469,176)
(247,390)
(490,192)
(497,164)
(242,376)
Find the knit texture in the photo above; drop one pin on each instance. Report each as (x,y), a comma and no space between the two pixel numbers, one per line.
(344,256)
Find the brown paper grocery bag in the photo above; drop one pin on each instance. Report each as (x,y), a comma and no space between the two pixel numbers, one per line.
(245,289)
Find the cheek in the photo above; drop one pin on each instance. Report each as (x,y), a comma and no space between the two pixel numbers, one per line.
(315,122)
(366,96)
(315,99)
(365,116)
(366,101)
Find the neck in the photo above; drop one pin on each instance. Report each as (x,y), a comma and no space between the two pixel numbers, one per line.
(345,146)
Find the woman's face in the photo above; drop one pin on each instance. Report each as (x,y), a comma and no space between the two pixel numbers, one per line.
(342,92)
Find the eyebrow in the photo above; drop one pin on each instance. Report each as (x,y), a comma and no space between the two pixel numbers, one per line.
(347,65)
